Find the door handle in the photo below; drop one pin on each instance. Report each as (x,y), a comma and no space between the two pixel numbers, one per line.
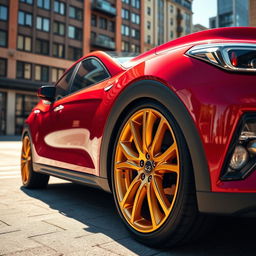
(60,107)
(37,111)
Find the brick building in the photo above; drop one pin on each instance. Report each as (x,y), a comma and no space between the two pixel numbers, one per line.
(39,39)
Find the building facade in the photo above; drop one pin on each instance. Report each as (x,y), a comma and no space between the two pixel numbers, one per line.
(39,39)
(252,13)
(198,28)
(166,20)
(231,13)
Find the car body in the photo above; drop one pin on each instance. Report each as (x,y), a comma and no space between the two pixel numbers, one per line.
(205,102)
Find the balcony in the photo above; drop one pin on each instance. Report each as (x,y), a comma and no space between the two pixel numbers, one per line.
(179,16)
(180,29)
(103,42)
(104,6)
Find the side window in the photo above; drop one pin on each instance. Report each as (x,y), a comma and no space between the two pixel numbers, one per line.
(62,87)
(90,72)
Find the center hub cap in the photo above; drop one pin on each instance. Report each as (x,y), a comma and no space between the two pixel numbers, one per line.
(148,166)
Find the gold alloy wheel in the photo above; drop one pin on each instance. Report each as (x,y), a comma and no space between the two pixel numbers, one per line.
(146,170)
(25,159)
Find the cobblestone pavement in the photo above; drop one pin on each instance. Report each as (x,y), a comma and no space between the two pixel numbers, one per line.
(69,219)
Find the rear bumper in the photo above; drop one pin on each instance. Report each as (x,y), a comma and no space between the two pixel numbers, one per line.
(238,204)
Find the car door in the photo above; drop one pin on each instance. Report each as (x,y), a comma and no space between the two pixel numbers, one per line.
(71,141)
(40,126)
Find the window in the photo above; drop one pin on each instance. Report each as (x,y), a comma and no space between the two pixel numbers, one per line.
(149,25)
(58,28)
(125,46)
(42,23)
(42,46)
(3,38)
(45,4)
(135,33)
(94,20)
(135,18)
(126,1)
(135,48)
(24,105)
(25,18)
(171,21)
(41,73)
(27,1)
(58,50)
(125,30)
(3,12)
(24,43)
(103,23)
(56,74)
(3,108)
(149,39)
(75,13)
(112,26)
(90,72)
(74,53)
(59,7)
(149,11)
(171,34)
(136,3)
(23,70)
(125,14)
(171,8)
(3,67)
(62,87)
(75,33)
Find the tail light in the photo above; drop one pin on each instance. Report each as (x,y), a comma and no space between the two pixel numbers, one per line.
(232,57)
(241,159)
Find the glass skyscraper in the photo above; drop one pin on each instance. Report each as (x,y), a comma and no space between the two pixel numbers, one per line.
(232,13)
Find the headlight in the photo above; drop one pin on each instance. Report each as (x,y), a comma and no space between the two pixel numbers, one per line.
(232,57)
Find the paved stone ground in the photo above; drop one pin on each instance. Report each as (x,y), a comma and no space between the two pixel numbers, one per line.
(69,219)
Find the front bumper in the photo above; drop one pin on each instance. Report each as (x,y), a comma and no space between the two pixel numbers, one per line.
(237,204)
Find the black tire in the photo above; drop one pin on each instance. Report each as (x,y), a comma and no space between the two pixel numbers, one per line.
(184,222)
(32,180)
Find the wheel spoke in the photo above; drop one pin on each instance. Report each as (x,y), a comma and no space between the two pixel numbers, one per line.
(23,161)
(24,172)
(135,129)
(148,123)
(155,213)
(28,152)
(158,138)
(128,151)
(137,204)
(159,192)
(130,193)
(167,168)
(127,165)
(25,144)
(169,152)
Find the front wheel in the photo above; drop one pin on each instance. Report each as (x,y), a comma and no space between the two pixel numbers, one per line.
(152,177)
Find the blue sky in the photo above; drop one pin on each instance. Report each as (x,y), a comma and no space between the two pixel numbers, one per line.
(203,10)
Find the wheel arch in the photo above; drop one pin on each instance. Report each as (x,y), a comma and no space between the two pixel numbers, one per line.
(160,93)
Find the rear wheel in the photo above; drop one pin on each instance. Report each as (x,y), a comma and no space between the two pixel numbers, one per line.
(30,179)
(152,178)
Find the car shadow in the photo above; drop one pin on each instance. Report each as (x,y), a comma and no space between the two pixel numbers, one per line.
(96,209)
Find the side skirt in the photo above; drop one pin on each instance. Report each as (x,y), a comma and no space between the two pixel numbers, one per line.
(74,176)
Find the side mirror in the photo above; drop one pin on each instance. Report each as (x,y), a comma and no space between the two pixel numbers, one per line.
(46,92)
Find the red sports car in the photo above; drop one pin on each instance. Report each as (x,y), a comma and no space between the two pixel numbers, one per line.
(171,133)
